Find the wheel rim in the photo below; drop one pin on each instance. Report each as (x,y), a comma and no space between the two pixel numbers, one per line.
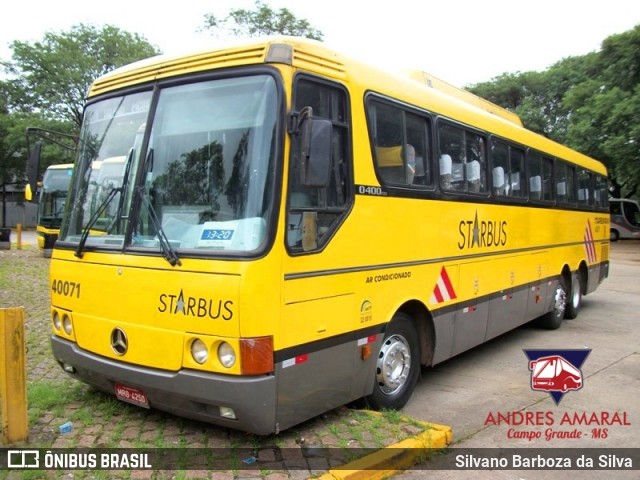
(394,362)
(559,301)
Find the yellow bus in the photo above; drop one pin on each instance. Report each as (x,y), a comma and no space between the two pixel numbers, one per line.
(294,230)
(52,196)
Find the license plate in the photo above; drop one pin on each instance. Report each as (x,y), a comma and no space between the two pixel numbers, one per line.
(132,395)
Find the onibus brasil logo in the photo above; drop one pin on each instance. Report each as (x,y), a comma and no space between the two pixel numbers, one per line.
(556,371)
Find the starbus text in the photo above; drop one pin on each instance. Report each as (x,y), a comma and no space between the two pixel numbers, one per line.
(477,234)
(195,306)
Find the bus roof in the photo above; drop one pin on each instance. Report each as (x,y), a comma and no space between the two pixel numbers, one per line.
(465,95)
(60,166)
(419,89)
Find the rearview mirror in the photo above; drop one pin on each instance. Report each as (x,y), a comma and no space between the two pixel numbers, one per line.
(315,152)
(33,165)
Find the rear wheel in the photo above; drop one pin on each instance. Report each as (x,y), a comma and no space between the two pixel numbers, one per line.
(397,367)
(575,298)
(553,319)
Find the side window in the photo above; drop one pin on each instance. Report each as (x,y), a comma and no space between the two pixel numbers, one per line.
(400,141)
(561,182)
(540,176)
(462,160)
(615,208)
(500,172)
(571,184)
(565,183)
(585,188)
(600,194)
(547,179)
(508,169)
(314,213)
(418,131)
(516,161)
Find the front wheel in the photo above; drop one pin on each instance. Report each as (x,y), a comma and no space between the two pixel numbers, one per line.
(397,365)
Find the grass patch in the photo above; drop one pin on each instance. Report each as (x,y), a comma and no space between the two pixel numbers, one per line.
(50,397)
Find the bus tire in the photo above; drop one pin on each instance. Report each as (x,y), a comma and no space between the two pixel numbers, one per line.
(614,236)
(553,319)
(574,299)
(397,365)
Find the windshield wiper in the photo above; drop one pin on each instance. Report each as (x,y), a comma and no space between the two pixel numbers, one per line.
(168,252)
(94,218)
(123,189)
(103,205)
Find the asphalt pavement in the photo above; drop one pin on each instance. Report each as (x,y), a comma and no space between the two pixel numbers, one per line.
(469,391)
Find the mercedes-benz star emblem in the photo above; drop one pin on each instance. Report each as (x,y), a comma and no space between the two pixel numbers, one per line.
(119,342)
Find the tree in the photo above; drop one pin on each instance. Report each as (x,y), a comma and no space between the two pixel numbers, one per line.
(13,152)
(46,86)
(52,76)
(12,145)
(538,97)
(262,20)
(605,110)
(590,103)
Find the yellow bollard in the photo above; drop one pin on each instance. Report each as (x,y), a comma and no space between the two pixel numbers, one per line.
(19,235)
(13,376)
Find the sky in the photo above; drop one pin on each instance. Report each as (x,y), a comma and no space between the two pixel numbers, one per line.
(460,41)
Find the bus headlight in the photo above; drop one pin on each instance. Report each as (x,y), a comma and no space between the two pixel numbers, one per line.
(66,324)
(199,351)
(226,355)
(57,322)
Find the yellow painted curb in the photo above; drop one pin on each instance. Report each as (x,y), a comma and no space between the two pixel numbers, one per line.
(394,458)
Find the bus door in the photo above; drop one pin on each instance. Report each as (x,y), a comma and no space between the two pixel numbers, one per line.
(316,368)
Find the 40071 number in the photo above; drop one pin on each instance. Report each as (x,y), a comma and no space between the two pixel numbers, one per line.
(65,288)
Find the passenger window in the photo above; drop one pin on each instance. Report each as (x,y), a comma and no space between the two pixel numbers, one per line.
(600,193)
(565,183)
(508,165)
(462,160)
(547,179)
(516,161)
(418,134)
(400,145)
(585,188)
(500,172)
(540,175)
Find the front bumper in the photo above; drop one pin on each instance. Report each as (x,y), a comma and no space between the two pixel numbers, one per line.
(186,393)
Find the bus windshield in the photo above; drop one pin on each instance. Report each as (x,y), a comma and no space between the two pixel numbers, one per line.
(631,213)
(55,185)
(204,180)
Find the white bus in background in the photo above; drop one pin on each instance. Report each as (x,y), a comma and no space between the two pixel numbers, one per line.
(625,218)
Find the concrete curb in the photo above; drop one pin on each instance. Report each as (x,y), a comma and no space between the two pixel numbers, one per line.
(396,457)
